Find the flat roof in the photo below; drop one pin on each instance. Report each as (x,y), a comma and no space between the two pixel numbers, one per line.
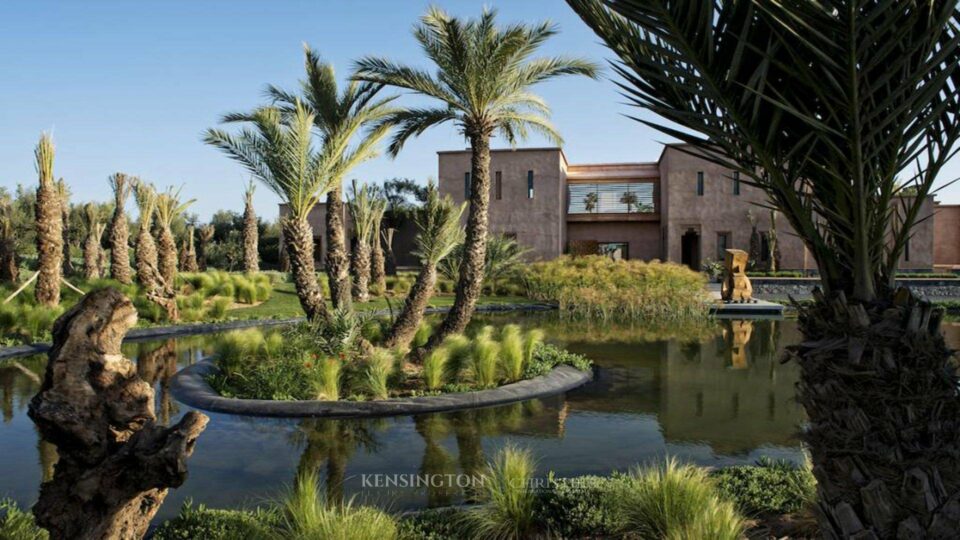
(495,150)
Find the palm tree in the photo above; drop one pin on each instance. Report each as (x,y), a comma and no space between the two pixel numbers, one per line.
(378,261)
(159,290)
(119,232)
(483,80)
(63,193)
(188,254)
(440,231)
(278,150)
(251,257)
(366,211)
(9,266)
(503,256)
(168,208)
(49,223)
(90,216)
(205,237)
(347,122)
(823,105)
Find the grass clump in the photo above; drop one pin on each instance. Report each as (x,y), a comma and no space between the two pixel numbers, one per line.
(434,371)
(304,514)
(674,501)
(600,287)
(507,508)
(15,524)
(484,358)
(512,358)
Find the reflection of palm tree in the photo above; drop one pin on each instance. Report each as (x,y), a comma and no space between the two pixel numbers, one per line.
(334,441)
(47,453)
(629,198)
(590,201)
(156,367)
(437,461)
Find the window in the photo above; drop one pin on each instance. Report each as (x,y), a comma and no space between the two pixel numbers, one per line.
(529,184)
(736,182)
(610,198)
(723,244)
(906,250)
(615,250)
(498,185)
(700,184)
(765,247)
(466,185)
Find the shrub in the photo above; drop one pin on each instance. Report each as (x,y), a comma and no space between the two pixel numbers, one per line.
(578,507)
(306,515)
(599,287)
(210,524)
(673,501)
(512,358)
(508,502)
(546,357)
(433,524)
(435,368)
(219,307)
(15,524)
(776,487)
(484,354)
(28,323)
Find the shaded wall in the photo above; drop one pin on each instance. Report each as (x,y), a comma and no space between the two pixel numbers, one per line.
(946,235)
(643,237)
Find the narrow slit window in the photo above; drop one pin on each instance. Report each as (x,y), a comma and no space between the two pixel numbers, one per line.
(529,184)
(498,185)
(736,182)
(700,184)
(466,185)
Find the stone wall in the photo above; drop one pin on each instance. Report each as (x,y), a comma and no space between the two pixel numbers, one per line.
(801,287)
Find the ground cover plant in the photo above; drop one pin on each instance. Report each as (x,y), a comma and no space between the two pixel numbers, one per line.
(596,286)
(341,360)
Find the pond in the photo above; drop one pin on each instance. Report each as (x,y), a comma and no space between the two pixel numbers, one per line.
(719,399)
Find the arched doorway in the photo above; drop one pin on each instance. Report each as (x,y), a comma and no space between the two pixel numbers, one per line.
(690,249)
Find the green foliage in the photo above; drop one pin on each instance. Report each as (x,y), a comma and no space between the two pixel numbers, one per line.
(503,258)
(484,358)
(378,368)
(458,349)
(27,322)
(305,515)
(324,378)
(546,357)
(422,335)
(507,499)
(15,524)
(578,507)
(209,524)
(513,361)
(434,371)
(433,524)
(770,487)
(673,501)
(600,287)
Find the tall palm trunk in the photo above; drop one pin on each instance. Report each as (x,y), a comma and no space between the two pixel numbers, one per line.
(361,270)
(470,284)
(9,268)
(206,235)
(251,258)
(188,253)
(407,323)
(91,252)
(883,438)
(298,240)
(391,259)
(159,290)
(119,231)
(378,270)
(166,253)
(337,263)
(64,194)
(49,222)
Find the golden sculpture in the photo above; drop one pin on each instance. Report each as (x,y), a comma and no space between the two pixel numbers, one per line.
(736,285)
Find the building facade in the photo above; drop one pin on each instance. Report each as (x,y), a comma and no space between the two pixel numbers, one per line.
(681,208)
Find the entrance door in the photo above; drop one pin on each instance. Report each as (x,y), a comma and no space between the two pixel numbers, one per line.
(690,249)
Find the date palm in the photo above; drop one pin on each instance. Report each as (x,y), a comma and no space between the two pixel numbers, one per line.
(205,237)
(119,232)
(49,224)
(63,193)
(824,106)
(349,122)
(366,211)
(94,227)
(277,148)
(9,240)
(439,228)
(251,257)
(168,209)
(482,82)
(158,290)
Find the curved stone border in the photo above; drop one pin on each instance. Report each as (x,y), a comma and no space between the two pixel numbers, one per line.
(156,332)
(189,386)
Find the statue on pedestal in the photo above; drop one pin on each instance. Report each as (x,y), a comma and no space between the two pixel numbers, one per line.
(736,285)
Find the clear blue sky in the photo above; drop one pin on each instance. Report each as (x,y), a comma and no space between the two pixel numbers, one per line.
(130,86)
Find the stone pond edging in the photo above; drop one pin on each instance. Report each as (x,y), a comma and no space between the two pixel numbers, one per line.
(140,334)
(189,386)
(931,288)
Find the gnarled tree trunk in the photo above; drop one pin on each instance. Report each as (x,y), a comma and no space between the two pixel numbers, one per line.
(251,257)
(884,435)
(337,263)
(360,262)
(115,463)
(470,284)
(298,240)
(49,222)
(407,323)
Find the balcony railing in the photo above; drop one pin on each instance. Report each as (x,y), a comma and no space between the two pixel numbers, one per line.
(625,198)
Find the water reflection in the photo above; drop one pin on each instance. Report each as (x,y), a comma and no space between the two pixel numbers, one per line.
(713,395)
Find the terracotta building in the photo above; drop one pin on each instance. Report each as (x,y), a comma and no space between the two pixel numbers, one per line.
(680,208)
(946,237)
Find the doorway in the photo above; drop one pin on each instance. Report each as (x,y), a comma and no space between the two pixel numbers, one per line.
(690,249)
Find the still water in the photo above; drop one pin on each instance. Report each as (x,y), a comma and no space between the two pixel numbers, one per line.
(718,399)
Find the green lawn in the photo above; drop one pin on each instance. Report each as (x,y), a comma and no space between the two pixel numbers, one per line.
(283,304)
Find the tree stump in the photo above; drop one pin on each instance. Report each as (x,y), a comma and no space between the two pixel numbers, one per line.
(116,464)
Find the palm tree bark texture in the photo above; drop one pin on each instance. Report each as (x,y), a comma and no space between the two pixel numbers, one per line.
(298,241)
(49,228)
(119,234)
(337,263)
(251,257)
(408,321)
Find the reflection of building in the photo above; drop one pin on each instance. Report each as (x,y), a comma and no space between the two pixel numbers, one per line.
(681,208)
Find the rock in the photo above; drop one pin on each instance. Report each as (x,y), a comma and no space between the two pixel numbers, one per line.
(116,464)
